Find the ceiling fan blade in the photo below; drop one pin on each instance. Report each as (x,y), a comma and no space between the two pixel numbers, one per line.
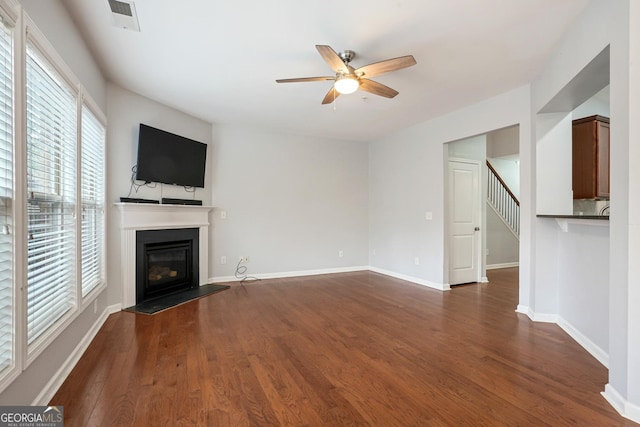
(331,57)
(386,66)
(377,88)
(330,96)
(306,79)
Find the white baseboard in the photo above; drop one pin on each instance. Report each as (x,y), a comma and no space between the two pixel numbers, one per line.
(47,393)
(503,265)
(620,404)
(544,317)
(523,309)
(537,317)
(439,286)
(280,275)
(114,308)
(599,354)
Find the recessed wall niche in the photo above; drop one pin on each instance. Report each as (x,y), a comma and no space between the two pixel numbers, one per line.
(586,94)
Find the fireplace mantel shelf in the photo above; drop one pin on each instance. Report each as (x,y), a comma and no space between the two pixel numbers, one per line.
(147,216)
(150,216)
(136,207)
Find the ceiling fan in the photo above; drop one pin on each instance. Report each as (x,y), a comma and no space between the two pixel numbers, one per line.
(348,79)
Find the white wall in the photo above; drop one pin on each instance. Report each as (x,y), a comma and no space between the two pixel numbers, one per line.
(503,152)
(583,294)
(503,143)
(554,180)
(615,24)
(54,22)
(543,303)
(291,202)
(474,148)
(598,104)
(625,233)
(407,179)
(502,244)
(126,110)
(509,171)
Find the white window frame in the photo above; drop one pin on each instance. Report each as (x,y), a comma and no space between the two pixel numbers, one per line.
(94,292)
(9,15)
(37,39)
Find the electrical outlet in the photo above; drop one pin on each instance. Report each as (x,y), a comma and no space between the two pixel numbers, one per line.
(428,216)
(416,261)
(243,258)
(223,259)
(340,254)
(223,214)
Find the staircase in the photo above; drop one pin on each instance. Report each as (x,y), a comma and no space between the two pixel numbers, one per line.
(502,200)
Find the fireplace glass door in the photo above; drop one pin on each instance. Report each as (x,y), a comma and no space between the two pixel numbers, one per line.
(166,262)
(167,268)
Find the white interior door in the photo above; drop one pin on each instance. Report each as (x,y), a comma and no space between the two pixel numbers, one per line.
(464,225)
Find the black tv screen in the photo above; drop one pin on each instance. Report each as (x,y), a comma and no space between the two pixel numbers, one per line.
(170,159)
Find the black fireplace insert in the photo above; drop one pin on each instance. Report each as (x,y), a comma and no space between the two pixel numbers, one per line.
(166,262)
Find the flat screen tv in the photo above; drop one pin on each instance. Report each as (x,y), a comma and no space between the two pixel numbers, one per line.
(170,159)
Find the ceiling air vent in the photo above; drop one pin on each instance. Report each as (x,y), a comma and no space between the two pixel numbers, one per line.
(123,15)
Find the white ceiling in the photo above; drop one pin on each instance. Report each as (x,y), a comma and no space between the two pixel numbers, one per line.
(218,60)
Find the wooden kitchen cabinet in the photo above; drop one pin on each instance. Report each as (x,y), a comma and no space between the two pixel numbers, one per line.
(590,141)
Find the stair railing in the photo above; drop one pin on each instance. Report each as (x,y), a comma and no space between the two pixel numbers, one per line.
(503,200)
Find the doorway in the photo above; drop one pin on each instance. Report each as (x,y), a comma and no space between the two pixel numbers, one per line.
(496,243)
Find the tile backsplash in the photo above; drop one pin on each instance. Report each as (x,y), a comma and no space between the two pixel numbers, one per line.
(590,207)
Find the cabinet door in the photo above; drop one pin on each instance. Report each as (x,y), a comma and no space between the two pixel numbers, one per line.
(584,160)
(603,160)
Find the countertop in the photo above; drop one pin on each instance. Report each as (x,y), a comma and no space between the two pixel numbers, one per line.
(602,217)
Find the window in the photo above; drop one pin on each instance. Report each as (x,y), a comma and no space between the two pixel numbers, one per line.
(92,190)
(52,216)
(7,341)
(51,195)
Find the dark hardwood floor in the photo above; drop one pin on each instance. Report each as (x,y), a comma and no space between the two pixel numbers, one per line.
(338,350)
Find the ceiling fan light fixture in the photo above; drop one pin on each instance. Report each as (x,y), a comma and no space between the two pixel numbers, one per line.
(348,79)
(346,84)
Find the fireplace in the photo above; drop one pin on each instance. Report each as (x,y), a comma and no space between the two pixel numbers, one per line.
(136,217)
(166,262)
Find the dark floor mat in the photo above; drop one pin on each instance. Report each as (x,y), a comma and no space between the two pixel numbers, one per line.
(163,303)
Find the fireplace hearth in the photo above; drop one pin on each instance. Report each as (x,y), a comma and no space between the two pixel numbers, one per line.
(166,262)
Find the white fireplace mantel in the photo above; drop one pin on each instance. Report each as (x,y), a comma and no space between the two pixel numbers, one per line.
(143,216)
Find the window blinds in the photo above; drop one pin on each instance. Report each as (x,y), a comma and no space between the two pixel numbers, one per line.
(51,185)
(6,199)
(92,190)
